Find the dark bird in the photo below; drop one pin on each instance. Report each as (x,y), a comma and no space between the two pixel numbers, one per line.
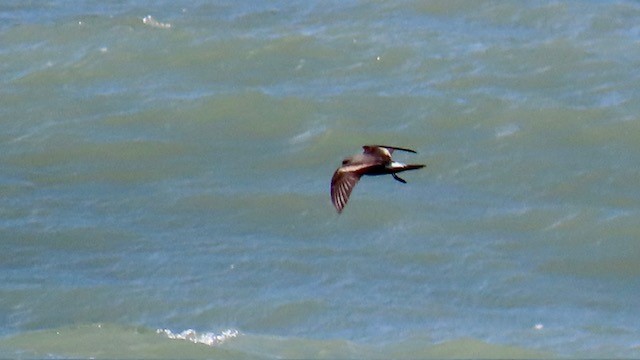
(374,160)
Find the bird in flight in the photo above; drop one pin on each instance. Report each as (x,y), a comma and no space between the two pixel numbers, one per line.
(374,160)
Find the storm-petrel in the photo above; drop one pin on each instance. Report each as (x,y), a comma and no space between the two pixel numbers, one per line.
(375,160)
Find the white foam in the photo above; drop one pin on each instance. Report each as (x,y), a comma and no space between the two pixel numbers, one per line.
(307,135)
(151,21)
(562,221)
(507,130)
(195,337)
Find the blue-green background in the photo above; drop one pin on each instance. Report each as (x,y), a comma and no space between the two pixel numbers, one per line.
(166,173)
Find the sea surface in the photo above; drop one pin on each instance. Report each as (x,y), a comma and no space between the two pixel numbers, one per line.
(165,169)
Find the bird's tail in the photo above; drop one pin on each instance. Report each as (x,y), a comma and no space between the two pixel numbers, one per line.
(404,167)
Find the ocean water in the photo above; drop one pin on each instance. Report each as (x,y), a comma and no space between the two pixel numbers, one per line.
(165,168)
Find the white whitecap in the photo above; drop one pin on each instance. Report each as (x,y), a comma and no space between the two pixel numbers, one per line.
(562,221)
(206,338)
(151,21)
(307,135)
(507,130)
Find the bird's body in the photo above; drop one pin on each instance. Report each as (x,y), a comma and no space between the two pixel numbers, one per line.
(375,160)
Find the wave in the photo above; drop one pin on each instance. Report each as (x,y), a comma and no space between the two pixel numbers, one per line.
(109,341)
(207,338)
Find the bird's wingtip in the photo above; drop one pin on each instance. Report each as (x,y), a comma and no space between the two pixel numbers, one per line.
(390,148)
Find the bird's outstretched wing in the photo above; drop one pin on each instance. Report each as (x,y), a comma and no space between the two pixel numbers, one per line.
(369,149)
(342,183)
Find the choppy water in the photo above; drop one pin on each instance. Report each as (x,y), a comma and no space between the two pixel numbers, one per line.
(165,170)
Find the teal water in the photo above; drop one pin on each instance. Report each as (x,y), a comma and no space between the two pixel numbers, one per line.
(165,179)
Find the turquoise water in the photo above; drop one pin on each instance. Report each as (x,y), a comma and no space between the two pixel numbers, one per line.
(165,179)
